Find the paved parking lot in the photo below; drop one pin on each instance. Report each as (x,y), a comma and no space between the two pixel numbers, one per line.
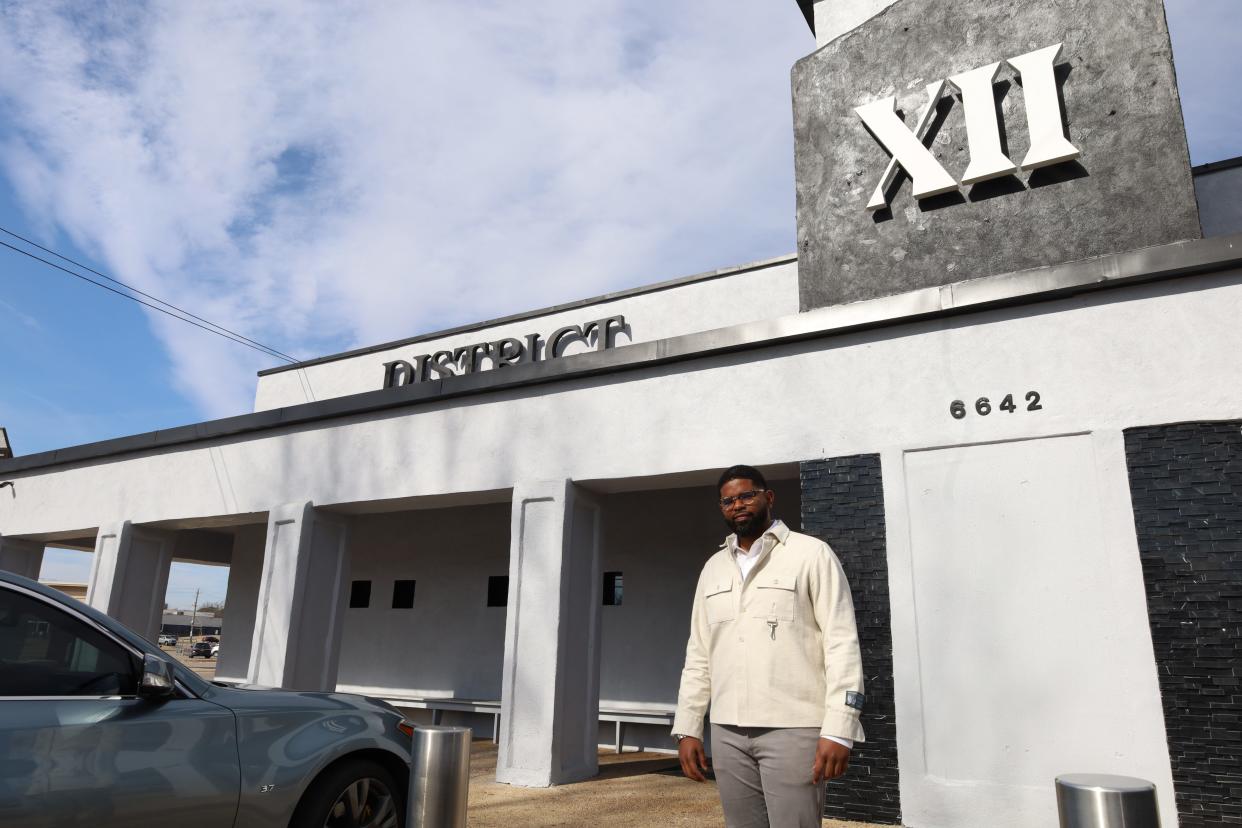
(205,667)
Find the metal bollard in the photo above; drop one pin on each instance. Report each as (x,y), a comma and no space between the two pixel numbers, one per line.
(439,777)
(1097,800)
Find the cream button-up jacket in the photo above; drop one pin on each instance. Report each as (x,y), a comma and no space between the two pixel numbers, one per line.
(779,649)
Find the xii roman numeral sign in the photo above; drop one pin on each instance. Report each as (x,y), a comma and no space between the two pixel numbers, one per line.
(987,160)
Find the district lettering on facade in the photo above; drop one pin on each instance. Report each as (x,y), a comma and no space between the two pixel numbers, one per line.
(987,158)
(470,359)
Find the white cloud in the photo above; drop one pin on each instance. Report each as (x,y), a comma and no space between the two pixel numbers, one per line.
(321,176)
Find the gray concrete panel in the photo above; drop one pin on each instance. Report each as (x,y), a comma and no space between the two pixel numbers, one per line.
(1219,189)
(1130,188)
(21,557)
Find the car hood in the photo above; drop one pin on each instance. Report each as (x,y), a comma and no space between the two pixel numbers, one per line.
(243,698)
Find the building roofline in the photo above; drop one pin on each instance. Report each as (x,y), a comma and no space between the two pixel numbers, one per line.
(668,284)
(1022,287)
(1217,166)
(533,314)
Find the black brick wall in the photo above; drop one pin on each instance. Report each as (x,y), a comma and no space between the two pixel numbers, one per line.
(1186,485)
(843,505)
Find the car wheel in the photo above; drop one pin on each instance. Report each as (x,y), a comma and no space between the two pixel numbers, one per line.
(358,794)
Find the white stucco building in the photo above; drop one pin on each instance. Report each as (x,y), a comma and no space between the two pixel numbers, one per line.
(1000,458)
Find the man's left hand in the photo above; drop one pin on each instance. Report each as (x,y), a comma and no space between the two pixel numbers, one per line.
(831,760)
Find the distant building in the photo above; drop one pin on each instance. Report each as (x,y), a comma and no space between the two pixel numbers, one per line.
(177,622)
(71,588)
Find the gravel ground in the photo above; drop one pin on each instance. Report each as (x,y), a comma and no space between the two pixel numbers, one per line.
(632,790)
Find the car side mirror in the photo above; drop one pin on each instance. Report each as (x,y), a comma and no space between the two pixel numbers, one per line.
(157,679)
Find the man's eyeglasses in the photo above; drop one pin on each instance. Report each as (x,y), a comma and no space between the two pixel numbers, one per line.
(744,497)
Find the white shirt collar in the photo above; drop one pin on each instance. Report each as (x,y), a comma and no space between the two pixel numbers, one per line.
(778,531)
(747,560)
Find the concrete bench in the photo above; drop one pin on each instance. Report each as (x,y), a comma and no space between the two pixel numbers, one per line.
(619,716)
(623,716)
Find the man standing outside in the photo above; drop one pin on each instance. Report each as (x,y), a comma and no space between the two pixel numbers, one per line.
(774,649)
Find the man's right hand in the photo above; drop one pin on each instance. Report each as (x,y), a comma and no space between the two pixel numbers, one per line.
(693,759)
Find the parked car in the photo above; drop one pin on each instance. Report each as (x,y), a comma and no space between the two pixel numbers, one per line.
(215,650)
(201,649)
(100,727)
(211,639)
(166,638)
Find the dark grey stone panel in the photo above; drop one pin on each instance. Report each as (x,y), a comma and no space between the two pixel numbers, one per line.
(843,505)
(1130,188)
(1186,487)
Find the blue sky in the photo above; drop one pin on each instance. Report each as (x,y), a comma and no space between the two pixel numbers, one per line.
(321,181)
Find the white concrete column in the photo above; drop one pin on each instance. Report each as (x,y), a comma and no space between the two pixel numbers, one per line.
(21,557)
(129,575)
(241,603)
(301,604)
(550,689)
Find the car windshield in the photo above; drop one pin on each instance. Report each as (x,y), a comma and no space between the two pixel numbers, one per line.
(193,682)
(187,677)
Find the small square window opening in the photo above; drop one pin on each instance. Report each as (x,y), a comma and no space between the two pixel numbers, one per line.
(402,594)
(498,590)
(613,589)
(360,595)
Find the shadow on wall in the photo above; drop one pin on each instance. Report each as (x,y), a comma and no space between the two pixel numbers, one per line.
(448,642)
(659,541)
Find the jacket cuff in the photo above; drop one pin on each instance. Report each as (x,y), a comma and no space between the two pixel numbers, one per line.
(686,724)
(844,725)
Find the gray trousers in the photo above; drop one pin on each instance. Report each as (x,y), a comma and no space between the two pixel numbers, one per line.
(764,776)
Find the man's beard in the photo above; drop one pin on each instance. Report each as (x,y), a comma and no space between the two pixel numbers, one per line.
(750,527)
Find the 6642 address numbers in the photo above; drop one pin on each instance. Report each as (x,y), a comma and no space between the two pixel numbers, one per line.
(983,406)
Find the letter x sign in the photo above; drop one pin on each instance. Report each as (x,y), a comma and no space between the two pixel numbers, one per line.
(987,160)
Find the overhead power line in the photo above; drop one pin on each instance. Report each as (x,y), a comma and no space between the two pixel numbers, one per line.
(176,312)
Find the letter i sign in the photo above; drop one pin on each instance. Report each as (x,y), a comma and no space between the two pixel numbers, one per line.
(987,160)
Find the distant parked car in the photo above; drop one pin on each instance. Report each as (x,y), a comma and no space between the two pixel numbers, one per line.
(215,650)
(99,727)
(170,640)
(211,638)
(201,649)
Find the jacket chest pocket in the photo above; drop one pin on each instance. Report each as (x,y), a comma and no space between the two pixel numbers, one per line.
(718,602)
(775,596)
